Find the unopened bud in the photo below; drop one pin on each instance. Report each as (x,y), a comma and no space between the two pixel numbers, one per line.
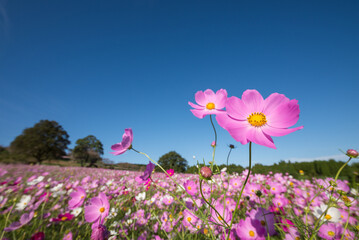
(258,193)
(352,153)
(213,144)
(206,172)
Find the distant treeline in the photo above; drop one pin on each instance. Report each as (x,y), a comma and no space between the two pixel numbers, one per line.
(317,168)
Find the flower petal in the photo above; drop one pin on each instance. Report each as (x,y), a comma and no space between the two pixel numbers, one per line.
(257,136)
(253,100)
(221,99)
(278,132)
(92,213)
(273,101)
(200,98)
(237,109)
(237,129)
(210,96)
(285,115)
(195,106)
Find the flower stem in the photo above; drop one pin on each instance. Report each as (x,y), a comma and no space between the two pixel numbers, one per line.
(245,182)
(336,177)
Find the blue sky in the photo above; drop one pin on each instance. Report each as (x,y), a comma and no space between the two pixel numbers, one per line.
(98,67)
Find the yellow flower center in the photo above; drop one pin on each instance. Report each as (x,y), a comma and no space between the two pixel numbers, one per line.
(251,233)
(189,219)
(210,106)
(82,197)
(102,209)
(205,231)
(63,218)
(189,188)
(273,189)
(328,217)
(263,222)
(257,119)
(331,233)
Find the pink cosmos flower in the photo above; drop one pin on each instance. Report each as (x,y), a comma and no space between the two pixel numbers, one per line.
(209,102)
(77,198)
(98,209)
(330,231)
(253,119)
(24,219)
(190,187)
(68,236)
(250,229)
(125,144)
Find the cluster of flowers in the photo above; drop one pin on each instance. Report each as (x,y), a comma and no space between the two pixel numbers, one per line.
(168,205)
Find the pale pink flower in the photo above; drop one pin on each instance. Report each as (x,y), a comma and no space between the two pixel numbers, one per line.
(209,103)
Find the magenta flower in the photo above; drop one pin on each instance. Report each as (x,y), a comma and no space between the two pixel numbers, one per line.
(170,172)
(253,119)
(99,232)
(77,198)
(125,144)
(148,172)
(98,209)
(63,217)
(209,102)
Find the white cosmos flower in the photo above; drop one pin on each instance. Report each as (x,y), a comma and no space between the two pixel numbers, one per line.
(24,202)
(57,187)
(141,196)
(332,214)
(36,181)
(76,211)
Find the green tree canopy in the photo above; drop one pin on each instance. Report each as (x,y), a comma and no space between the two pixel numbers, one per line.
(173,160)
(88,149)
(45,140)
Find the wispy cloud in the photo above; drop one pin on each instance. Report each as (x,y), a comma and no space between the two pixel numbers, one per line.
(339,157)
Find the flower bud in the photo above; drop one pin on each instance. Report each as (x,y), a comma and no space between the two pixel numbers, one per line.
(258,193)
(352,153)
(213,144)
(206,172)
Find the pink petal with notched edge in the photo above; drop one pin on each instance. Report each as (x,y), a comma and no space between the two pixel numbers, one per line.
(200,98)
(273,101)
(253,100)
(285,115)
(92,213)
(237,109)
(237,129)
(210,96)
(256,135)
(278,132)
(195,106)
(221,99)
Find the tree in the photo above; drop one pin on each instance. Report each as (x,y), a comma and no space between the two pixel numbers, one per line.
(88,149)
(173,160)
(45,140)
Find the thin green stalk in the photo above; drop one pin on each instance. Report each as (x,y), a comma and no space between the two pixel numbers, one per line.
(7,218)
(340,169)
(210,205)
(215,143)
(245,182)
(346,225)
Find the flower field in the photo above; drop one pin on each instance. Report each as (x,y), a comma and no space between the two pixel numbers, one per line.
(48,202)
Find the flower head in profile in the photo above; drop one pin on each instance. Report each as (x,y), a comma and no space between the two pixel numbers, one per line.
(148,172)
(209,102)
(98,209)
(125,144)
(254,119)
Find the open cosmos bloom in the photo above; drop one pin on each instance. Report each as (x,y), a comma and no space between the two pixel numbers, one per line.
(98,209)
(209,102)
(253,119)
(24,219)
(77,198)
(125,144)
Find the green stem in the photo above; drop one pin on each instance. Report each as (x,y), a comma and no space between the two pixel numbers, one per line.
(210,205)
(346,225)
(336,177)
(245,182)
(215,143)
